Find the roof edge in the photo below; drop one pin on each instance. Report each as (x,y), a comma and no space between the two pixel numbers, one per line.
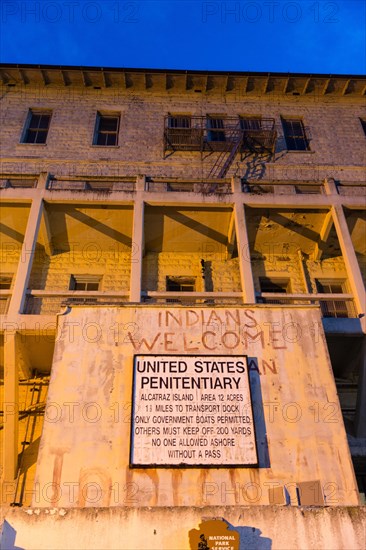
(176,71)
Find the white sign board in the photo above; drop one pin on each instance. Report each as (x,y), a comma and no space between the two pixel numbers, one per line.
(192,410)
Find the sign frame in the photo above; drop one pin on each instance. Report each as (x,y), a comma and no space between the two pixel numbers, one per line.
(185,465)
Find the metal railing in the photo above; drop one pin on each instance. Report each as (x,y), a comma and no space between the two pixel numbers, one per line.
(199,133)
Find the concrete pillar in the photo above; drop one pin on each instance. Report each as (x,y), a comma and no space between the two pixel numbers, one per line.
(246,275)
(137,252)
(11,407)
(43,180)
(236,185)
(330,186)
(26,258)
(360,418)
(351,263)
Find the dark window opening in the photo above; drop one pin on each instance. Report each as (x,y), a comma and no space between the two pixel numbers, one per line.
(295,135)
(106,130)
(179,121)
(37,126)
(250,123)
(215,129)
(274,285)
(5,282)
(179,284)
(363,124)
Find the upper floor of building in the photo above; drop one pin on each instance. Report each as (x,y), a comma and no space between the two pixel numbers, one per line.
(183,123)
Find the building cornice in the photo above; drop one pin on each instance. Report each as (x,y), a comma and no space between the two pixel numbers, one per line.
(177,80)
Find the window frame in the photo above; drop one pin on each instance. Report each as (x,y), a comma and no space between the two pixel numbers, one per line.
(280,281)
(335,309)
(179,117)
(291,138)
(216,131)
(41,131)
(6,279)
(284,287)
(76,280)
(180,281)
(97,132)
(250,118)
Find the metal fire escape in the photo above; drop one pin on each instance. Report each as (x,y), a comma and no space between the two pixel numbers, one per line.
(233,141)
(228,136)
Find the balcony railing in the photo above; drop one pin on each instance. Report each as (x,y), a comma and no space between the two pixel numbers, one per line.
(51,302)
(283,188)
(357,190)
(332,305)
(18,183)
(206,188)
(187,298)
(197,135)
(90,185)
(48,302)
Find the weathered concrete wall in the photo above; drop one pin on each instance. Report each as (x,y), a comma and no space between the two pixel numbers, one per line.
(337,136)
(264,528)
(84,453)
(224,272)
(54,272)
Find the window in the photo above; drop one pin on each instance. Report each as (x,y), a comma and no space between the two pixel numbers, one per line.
(295,135)
(5,282)
(180,284)
(250,123)
(215,126)
(363,124)
(106,129)
(36,127)
(85,282)
(179,121)
(333,308)
(275,285)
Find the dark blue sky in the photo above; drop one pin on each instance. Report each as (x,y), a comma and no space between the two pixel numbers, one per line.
(263,35)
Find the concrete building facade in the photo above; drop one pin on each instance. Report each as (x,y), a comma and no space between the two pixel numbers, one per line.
(181,213)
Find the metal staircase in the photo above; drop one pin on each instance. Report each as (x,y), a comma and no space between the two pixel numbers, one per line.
(233,141)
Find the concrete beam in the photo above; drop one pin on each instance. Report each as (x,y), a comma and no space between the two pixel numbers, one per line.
(26,258)
(46,233)
(231,236)
(350,259)
(323,237)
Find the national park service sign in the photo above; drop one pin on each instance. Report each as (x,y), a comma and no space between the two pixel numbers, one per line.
(212,535)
